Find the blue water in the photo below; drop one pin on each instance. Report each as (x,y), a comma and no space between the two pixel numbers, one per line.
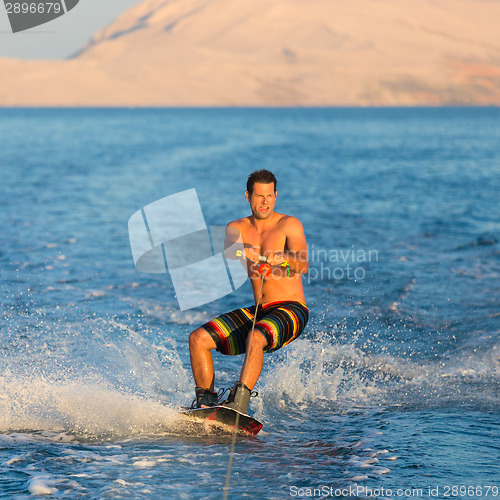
(392,389)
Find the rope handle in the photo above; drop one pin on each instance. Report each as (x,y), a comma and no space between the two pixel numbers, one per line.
(262,258)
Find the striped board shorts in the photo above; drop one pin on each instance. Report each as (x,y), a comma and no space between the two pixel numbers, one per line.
(279,322)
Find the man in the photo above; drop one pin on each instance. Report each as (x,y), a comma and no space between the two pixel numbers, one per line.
(282,312)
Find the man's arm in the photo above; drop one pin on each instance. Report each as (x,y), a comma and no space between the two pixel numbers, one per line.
(234,246)
(295,248)
(233,241)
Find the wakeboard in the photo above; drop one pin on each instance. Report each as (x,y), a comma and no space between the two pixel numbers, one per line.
(226,416)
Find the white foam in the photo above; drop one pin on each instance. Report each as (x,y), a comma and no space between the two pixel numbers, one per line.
(358,478)
(381,470)
(81,408)
(39,485)
(13,460)
(144,463)
(122,482)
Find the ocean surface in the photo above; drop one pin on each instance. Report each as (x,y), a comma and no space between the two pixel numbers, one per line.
(392,391)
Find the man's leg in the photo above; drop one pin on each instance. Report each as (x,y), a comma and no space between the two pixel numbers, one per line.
(200,345)
(254,359)
(240,394)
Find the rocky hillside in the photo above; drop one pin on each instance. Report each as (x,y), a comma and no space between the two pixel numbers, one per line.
(275,53)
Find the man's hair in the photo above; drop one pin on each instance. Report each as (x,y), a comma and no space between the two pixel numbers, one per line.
(262,176)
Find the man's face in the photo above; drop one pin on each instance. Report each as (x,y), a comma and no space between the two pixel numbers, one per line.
(262,200)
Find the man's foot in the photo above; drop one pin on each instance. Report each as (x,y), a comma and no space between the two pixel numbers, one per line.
(239,397)
(204,398)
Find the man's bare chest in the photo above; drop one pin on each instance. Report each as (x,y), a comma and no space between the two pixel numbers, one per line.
(265,241)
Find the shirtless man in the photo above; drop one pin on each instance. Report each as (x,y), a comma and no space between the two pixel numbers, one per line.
(282,312)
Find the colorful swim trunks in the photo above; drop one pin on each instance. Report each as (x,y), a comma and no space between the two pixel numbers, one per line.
(279,322)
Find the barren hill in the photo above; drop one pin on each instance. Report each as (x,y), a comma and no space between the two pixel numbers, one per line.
(275,52)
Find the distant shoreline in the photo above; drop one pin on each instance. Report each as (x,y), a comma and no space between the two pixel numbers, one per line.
(273,107)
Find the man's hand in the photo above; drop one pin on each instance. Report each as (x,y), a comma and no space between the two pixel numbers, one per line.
(275,258)
(251,253)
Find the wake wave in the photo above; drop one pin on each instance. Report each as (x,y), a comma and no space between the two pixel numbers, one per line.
(85,410)
(100,378)
(342,375)
(93,379)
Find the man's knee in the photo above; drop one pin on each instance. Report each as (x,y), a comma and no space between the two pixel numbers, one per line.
(259,339)
(201,339)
